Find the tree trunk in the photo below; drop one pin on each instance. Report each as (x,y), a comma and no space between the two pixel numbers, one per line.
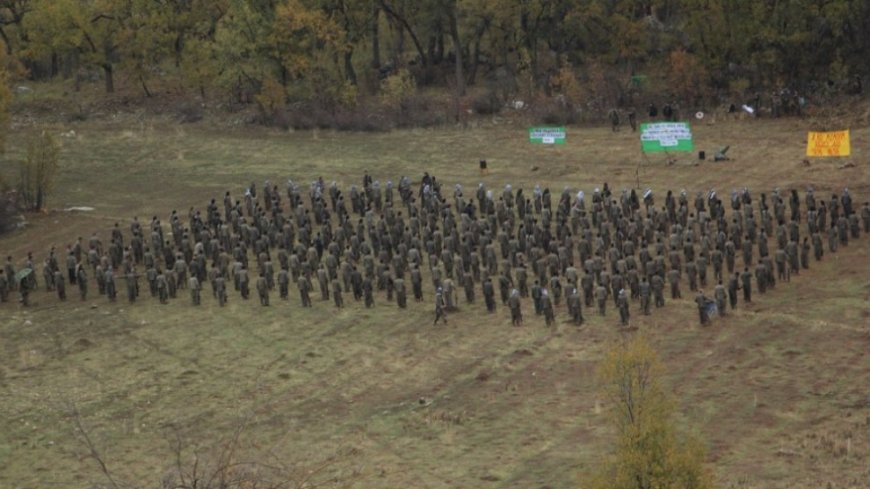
(110,79)
(6,41)
(145,86)
(376,42)
(349,72)
(407,27)
(475,59)
(37,206)
(457,50)
(54,64)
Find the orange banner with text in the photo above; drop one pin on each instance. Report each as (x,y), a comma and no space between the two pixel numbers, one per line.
(835,143)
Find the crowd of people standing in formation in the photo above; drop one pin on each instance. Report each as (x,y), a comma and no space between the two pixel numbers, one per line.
(375,240)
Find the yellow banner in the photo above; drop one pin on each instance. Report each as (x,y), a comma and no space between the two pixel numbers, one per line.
(835,143)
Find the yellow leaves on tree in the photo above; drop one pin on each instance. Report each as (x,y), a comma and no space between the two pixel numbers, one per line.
(299,34)
(649,452)
(565,83)
(398,88)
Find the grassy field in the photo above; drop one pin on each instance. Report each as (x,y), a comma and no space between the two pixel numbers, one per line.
(379,398)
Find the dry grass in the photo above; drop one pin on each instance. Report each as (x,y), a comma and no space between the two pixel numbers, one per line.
(778,389)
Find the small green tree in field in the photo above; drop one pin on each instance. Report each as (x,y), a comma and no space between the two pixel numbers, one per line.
(37,172)
(649,452)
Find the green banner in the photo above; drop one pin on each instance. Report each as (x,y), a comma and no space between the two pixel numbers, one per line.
(658,137)
(547,135)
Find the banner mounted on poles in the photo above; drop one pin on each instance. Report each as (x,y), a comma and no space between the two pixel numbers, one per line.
(835,143)
(658,137)
(547,135)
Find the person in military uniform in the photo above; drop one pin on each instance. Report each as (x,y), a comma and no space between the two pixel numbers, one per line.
(337,297)
(701,301)
(162,287)
(719,295)
(440,307)
(323,281)
(59,285)
(622,305)
(575,306)
(368,292)
(805,254)
(111,290)
(48,275)
(746,284)
(448,294)
(151,276)
(468,285)
(761,278)
(515,307)
(244,283)
(417,283)
(657,284)
(220,289)
(171,282)
(489,295)
(674,280)
(613,115)
(304,286)
(536,298)
(733,288)
(645,292)
(24,291)
(130,281)
(195,290)
(82,281)
(818,248)
(587,283)
(547,307)
(401,292)
(601,299)
(71,265)
(262,289)
(283,283)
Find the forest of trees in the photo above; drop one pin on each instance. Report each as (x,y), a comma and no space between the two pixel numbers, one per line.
(590,54)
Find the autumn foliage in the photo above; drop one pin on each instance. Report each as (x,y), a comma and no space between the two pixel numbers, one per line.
(650,452)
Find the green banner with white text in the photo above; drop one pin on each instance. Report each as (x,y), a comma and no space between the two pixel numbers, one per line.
(658,137)
(547,135)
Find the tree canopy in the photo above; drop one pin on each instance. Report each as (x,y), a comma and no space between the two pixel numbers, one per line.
(649,452)
(692,51)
